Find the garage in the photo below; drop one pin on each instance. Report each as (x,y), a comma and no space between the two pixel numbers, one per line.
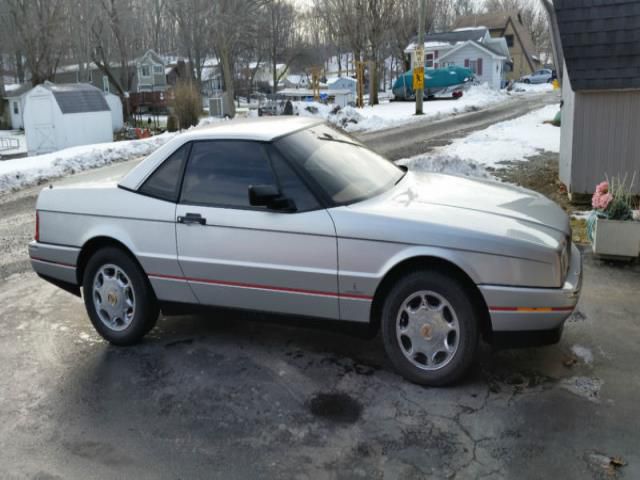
(58,116)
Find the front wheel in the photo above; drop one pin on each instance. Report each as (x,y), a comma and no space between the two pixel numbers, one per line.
(118,297)
(430,328)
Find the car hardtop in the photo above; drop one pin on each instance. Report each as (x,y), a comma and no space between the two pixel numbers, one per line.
(257,130)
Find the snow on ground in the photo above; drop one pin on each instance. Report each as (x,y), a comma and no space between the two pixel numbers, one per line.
(512,140)
(24,172)
(532,88)
(393,114)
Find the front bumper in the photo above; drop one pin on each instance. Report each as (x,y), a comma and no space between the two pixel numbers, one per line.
(56,264)
(514,309)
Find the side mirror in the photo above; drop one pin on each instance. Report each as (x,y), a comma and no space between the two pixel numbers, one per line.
(269,196)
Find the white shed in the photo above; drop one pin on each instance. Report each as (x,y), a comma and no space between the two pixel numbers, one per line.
(115,105)
(15,96)
(65,115)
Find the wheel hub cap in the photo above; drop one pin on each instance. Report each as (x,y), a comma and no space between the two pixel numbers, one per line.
(113,297)
(427,330)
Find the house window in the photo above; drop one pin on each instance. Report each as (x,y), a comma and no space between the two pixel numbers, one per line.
(16,109)
(428,60)
(509,39)
(105,84)
(145,71)
(157,69)
(474,65)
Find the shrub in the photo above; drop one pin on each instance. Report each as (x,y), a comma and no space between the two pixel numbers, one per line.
(186,104)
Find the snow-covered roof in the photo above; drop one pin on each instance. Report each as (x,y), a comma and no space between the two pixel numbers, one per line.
(447,39)
(16,89)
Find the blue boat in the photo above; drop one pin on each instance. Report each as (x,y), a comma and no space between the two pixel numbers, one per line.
(439,82)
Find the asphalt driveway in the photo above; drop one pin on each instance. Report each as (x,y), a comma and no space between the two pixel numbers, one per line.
(229,396)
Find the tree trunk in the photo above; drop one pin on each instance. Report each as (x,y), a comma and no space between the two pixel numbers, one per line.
(227,78)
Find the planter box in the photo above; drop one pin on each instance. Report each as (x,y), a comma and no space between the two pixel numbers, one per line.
(614,238)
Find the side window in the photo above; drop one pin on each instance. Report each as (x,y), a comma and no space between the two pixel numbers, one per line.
(290,184)
(219,173)
(164,183)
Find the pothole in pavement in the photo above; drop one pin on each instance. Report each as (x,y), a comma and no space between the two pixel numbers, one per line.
(335,407)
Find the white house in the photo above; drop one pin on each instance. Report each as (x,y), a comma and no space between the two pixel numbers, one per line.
(343,83)
(65,115)
(473,48)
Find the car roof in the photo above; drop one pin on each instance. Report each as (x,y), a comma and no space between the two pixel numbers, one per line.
(256,129)
(261,130)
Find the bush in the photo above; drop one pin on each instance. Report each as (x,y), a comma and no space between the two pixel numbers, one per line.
(172,123)
(186,105)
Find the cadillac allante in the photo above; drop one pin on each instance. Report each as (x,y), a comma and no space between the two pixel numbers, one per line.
(292,217)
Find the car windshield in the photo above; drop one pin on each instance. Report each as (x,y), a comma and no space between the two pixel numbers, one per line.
(341,166)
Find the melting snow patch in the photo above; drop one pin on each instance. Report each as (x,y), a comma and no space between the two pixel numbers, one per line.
(585,387)
(583,353)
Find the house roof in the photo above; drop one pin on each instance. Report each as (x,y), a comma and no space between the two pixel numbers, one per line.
(17,89)
(451,38)
(77,97)
(601,43)
(500,21)
(485,48)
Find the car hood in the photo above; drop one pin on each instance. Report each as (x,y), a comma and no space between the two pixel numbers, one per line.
(485,196)
(459,212)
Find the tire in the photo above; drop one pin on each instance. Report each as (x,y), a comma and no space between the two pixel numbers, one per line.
(114,285)
(527,81)
(441,304)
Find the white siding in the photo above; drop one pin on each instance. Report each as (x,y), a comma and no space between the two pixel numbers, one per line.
(566,135)
(117,119)
(491,68)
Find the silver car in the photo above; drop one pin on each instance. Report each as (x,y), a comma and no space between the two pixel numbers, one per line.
(292,217)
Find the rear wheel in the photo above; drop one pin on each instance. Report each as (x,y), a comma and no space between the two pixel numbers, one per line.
(430,328)
(118,297)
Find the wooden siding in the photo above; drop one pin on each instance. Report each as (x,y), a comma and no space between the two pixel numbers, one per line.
(605,138)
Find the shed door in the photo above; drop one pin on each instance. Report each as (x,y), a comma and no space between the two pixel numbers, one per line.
(42,124)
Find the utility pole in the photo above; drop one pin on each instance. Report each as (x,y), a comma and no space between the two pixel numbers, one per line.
(418,62)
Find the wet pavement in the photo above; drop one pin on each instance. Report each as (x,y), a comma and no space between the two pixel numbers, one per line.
(235,396)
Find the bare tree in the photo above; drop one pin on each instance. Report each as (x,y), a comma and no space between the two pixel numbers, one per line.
(38,27)
(282,38)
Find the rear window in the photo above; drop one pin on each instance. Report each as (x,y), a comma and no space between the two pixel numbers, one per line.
(164,183)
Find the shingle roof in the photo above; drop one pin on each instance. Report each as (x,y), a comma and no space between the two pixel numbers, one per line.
(601,42)
(453,37)
(77,97)
(495,21)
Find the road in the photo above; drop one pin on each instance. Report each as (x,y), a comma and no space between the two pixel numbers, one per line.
(233,396)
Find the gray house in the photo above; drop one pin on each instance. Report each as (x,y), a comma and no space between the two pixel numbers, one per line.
(147,74)
(601,91)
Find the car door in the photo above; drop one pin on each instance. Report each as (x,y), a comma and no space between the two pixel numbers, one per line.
(237,255)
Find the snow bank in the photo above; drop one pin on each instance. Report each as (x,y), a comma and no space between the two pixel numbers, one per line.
(509,141)
(24,172)
(505,141)
(532,88)
(393,114)
(442,163)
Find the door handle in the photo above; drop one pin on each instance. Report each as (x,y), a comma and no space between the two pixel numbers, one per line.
(192,218)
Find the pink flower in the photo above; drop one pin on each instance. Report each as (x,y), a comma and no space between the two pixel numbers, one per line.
(601,201)
(602,188)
